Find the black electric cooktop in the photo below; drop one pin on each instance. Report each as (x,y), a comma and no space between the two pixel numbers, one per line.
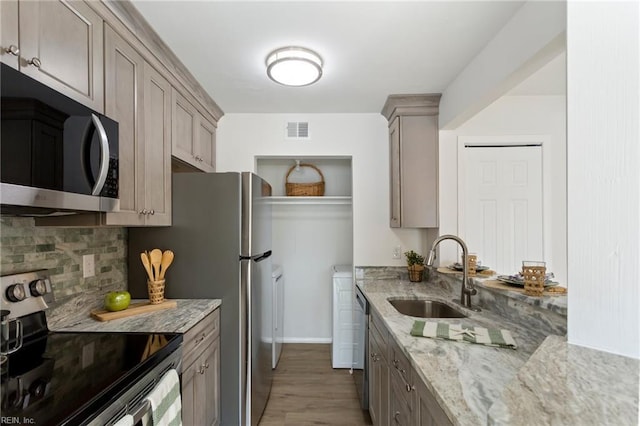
(67,378)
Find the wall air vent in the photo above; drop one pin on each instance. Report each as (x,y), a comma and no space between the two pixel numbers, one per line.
(298,130)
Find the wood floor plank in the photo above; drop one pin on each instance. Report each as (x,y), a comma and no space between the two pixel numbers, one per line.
(307,391)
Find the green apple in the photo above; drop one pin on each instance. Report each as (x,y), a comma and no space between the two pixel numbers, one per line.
(117,300)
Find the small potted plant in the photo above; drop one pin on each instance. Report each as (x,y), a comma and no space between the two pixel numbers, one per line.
(415,264)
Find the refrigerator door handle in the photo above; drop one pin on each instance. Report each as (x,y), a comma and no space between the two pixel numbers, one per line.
(257,257)
(263,256)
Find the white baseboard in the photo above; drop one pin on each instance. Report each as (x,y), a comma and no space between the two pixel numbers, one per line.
(307,340)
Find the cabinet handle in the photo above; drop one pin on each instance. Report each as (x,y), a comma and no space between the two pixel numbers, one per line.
(143,211)
(395,417)
(201,370)
(409,387)
(35,62)
(206,365)
(201,338)
(152,212)
(12,50)
(395,363)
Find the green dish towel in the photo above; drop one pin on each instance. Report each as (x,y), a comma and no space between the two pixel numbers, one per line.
(462,333)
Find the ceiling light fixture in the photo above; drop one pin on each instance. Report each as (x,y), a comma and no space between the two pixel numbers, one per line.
(294,66)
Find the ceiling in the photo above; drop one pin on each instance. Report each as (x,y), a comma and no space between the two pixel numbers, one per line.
(370,49)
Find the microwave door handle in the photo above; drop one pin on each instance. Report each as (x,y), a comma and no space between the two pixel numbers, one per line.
(104,156)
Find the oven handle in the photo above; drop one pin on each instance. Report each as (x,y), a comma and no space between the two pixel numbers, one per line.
(141,410)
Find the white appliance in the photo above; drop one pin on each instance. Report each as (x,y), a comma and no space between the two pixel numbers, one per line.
(343,322)
(278,314)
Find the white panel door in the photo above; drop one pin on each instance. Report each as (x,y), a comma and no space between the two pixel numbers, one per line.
(502,213)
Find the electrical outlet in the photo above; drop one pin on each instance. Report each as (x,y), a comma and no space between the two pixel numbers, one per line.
(397,252)
(88,266)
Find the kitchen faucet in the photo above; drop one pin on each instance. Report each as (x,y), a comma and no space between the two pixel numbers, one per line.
(467,286)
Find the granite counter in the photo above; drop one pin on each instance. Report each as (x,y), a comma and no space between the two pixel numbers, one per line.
(464,378)
(544,381)
(176,320)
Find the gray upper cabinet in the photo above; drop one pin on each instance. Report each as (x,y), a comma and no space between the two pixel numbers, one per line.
(413,154)
(139,98)
(61,45)
(194,136)
(9,39)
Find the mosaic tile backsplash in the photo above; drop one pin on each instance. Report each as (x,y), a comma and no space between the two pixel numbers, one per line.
(25,247)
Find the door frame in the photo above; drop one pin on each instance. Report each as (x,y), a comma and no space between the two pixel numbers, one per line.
(508,140)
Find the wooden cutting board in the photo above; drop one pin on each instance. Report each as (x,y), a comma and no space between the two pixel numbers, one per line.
(133,309)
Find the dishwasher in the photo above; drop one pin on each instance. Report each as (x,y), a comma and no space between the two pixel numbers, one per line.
(359,370)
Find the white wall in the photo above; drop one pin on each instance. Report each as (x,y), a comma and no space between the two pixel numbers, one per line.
(603,100)
(515,115)
(529,39)
(364,137)
(308,239)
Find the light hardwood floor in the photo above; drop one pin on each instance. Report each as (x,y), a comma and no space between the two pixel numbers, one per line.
(307,391)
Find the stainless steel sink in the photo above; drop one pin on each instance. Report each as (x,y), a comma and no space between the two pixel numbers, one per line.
(425,308)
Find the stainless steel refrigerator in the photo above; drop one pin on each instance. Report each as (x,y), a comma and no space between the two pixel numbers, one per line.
(221,237)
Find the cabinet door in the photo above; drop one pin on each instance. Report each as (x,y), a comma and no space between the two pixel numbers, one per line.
(211,357)
(419,171)
(394,170)
(124,69)
(61,45)
(428,412)
(183,137)
(189,395)
(9,42)
(206,145)
(157,147)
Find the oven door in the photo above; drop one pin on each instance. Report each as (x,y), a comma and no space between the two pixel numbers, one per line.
(133,402)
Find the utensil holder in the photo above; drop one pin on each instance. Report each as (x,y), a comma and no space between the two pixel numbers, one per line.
(534,274)
(416,273)
(156,291)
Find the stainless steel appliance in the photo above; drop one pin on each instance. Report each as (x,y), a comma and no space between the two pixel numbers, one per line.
(60,378)
(56,155)
(221,237)
(361,348)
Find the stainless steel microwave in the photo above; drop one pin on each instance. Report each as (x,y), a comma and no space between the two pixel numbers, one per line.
(57,156)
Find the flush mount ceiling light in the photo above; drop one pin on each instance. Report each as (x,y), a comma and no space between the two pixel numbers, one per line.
(294,66)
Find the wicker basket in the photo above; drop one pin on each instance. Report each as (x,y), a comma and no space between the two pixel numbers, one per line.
(314,189)
(156,291)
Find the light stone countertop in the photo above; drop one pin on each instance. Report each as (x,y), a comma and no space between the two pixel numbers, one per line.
(465,379)
(544,382)
(564,384)
(176,320)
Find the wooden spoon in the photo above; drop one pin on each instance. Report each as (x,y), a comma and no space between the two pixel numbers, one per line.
(147,265)
(167,258)
(156,260)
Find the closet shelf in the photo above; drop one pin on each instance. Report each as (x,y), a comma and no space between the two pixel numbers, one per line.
(326,200)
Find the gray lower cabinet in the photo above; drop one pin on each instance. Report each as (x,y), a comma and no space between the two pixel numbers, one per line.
(58,43)
(397,394)
(201,373)
(413,156)
(378,374)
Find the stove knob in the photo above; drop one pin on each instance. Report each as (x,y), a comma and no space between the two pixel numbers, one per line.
(38,288)
(38,388)
(16,293)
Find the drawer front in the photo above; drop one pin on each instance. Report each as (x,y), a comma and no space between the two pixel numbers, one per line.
(401,412)
(200,336)
(376,321)
(401,373)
